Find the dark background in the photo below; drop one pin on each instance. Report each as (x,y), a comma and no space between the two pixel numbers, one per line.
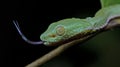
(34,17)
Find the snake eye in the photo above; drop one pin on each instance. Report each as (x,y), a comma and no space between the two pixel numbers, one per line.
(60,30)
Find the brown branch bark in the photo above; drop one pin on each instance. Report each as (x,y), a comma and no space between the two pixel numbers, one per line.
(37,63)
(55,52)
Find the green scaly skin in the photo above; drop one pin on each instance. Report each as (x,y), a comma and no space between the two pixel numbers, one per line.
(74,28)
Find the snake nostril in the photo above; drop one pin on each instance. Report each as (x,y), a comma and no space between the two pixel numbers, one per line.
(52,35)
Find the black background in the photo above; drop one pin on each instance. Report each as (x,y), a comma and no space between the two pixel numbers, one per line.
(34,17)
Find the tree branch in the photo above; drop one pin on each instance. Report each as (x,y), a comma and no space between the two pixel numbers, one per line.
(113,23)
(56,52)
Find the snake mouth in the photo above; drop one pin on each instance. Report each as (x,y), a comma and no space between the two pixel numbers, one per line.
(76,37)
